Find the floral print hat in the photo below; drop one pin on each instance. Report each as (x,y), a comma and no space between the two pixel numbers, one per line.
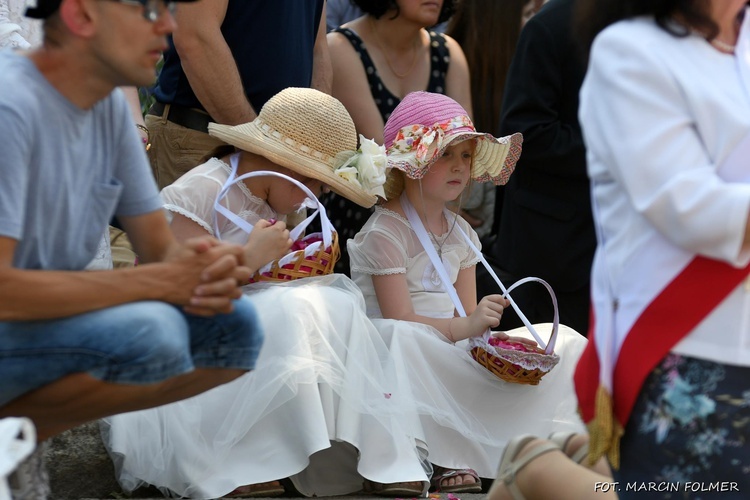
(312,134)
(424,124)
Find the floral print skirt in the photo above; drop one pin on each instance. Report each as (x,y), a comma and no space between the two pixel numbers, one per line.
(689,433)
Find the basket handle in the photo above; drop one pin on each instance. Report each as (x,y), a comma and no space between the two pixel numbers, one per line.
(548,347)
(296,232)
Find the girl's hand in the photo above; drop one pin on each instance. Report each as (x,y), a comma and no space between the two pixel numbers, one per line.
(267,242)
(487,314)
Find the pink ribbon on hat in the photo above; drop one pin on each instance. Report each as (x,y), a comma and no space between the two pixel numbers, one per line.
(426,142)
(430,143)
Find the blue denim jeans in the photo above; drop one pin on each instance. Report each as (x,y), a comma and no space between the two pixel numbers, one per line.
(136,343)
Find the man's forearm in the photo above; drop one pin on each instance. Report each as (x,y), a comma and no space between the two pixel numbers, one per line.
(322,76)
(215,79)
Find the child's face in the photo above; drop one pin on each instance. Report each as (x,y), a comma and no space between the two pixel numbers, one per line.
(449,175)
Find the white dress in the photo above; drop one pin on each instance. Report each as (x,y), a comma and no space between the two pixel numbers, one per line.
(320,407)
(467,414)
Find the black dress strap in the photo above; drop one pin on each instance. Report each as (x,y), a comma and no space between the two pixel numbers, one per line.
(439,60)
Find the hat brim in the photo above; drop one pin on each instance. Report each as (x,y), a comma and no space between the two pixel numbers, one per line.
(490,151)
(250,137)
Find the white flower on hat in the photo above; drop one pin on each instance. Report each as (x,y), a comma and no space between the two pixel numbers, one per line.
(366,167)
(348,173)
(372,165)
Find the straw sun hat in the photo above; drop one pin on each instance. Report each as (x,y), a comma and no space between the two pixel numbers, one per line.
(424,124)
(312,134)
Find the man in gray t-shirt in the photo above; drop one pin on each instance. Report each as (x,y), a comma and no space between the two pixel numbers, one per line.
(78,345)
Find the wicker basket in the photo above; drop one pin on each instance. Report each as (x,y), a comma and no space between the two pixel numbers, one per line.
(297,264)
(514,361)
(311,255)
(513,366)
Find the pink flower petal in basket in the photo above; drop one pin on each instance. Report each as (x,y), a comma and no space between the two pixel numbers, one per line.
(513,346)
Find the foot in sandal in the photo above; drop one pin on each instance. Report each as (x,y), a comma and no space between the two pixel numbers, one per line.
(576,447)
(403,489)
(520,454)
(270,489)
(446,480)
(534,468)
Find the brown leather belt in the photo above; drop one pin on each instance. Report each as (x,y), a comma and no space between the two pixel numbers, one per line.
(191,118)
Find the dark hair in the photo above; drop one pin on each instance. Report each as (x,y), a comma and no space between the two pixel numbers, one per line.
(677,17)
(487,31)
(43,9)
(376,8)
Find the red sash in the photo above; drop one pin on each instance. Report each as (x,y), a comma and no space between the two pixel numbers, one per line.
(675,312)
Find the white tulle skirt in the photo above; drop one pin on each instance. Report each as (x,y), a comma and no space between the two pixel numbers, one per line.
(323,407)
(467,414)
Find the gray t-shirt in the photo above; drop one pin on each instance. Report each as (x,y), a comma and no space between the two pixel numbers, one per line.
(64,171)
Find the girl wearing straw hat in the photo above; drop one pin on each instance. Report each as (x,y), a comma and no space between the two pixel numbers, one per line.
(401,259)
(322,406)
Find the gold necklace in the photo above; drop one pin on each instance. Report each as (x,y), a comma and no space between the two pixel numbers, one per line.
(438,244)
(385,54)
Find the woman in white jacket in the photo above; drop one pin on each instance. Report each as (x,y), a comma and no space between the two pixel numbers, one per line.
(665,111)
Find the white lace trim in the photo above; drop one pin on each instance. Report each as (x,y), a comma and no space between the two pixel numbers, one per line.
(189,215)
(527,360)
(468,264)
(393,214)
(378,272)
(403,219)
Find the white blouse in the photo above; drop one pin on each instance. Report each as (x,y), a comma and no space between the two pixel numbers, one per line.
(660,114)
(388,245)
(193,196)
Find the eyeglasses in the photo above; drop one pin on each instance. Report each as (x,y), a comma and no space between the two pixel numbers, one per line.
(152,9)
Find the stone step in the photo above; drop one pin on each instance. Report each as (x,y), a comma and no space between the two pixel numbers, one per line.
(80,469)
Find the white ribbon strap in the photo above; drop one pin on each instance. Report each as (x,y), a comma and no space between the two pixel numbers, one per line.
(549,348)
(419,230)
(311,201)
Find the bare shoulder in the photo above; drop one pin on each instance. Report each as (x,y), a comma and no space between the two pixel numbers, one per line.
(454,48)
(339,45)
(450,42)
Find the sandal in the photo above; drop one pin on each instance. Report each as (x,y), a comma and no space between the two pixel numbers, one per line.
(270,489)
(562,439)
(442,473)
(509,468)
(402,489)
